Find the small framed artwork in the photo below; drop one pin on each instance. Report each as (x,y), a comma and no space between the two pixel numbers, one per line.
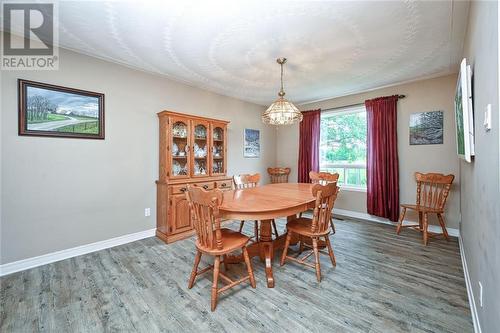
(251,147)
(49,110)
(426,128)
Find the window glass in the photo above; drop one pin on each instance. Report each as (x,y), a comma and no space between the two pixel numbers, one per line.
(343,145)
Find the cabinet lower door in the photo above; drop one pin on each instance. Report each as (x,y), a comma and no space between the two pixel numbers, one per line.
(180,215)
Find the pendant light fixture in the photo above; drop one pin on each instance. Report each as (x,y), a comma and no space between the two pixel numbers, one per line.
(282,111)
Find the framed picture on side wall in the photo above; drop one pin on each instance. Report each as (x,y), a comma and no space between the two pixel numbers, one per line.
(251,147)
(49,110)
(426,128)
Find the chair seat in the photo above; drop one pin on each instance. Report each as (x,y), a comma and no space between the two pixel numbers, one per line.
(302,226)
(231,240)
(422,208)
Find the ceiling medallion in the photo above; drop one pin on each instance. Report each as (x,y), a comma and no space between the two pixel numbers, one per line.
(282,111)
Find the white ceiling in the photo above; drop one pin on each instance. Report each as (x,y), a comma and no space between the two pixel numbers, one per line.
(229,47)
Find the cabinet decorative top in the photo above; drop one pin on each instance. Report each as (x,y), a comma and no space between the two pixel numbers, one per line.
(166,113)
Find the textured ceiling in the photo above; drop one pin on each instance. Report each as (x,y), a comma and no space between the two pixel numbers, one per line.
(230,47)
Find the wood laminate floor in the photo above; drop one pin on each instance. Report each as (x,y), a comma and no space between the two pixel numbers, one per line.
(382,283)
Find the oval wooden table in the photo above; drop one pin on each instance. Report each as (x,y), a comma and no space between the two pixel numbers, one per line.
(266,203)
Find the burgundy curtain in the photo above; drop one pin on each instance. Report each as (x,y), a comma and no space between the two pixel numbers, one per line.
(382,157)
(309,144)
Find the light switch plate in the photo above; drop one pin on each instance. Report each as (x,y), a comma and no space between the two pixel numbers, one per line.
(147,211)
(487,118)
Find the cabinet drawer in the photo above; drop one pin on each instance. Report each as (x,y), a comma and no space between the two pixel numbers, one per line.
(178,189)
(225,184)
(181,188)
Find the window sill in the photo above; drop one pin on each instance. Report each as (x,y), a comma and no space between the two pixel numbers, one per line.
(352,188)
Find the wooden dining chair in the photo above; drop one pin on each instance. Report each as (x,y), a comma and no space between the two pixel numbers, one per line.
(214,241)
(249,181)
(278,175)
(315,228)
(432,192)
(324,178)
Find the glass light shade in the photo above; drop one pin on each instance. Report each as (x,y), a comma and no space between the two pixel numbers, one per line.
(282,112)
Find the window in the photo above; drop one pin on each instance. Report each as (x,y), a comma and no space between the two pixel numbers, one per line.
(343,145)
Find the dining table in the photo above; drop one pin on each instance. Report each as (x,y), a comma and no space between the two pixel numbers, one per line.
(266,203)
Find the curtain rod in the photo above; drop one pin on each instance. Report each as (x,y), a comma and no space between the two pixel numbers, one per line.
(356,104)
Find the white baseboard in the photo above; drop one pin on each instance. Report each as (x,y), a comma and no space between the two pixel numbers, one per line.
(468,284)
(367,217)
(48,258)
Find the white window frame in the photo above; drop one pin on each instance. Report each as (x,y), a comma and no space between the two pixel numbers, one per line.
(343,111)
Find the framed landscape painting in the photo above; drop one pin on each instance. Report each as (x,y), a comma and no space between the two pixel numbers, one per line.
(49,110)
(252,143)
(426,128)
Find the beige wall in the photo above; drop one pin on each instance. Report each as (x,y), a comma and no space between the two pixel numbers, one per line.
(60,193)
(427,95)
(480,201)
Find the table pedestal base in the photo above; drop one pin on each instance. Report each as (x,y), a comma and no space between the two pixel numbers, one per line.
(265,249)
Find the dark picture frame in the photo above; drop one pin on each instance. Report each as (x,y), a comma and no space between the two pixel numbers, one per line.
(56,111)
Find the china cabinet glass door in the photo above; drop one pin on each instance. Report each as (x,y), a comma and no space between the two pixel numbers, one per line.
(218,149)
(200,149)
(180,150)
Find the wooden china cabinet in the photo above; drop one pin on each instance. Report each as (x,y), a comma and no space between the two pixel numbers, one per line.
(193,150)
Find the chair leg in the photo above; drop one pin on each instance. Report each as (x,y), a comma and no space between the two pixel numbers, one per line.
(275,229)
(443,226)
(400,223)
(426,224)
(285,249)
(249,266)
(332,225)
(197,258)
(330,251)
(420,221)
(214,283)
(242,223)
(226,264)
(256,230)
(316,259)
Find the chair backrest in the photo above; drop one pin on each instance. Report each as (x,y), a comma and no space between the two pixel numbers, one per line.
(433,189)
(325,199)
(323,178)
(204,206)
(246,180)
(278,175)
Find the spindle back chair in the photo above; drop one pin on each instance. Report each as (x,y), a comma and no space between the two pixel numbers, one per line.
(204,207)
(278,175)
(213,240)
(315,228)
(248,181)
(325,198)
(432,191)
(323,178)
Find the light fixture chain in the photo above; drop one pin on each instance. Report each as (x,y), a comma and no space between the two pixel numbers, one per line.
(282,78)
